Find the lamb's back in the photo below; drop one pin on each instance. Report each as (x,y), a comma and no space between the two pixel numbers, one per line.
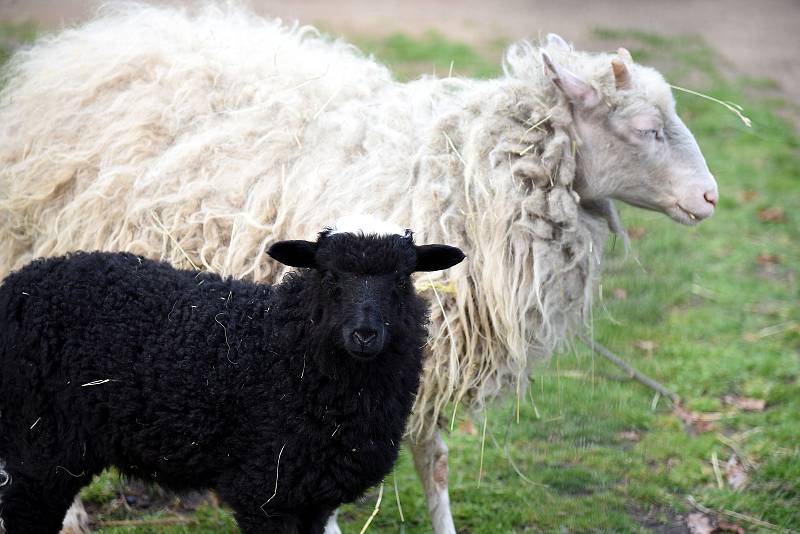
(127,351)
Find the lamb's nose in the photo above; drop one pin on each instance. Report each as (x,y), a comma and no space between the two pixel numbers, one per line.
(712,197)
(364,336)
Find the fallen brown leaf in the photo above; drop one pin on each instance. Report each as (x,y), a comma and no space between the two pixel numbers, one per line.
(619,293)
(745,403)
(645,345)
(699,523)
(636,232)
(772,214)
(748,195)
(466,427)
(630,435)
(736,473)
(696,422)
(724,526)
(766,258)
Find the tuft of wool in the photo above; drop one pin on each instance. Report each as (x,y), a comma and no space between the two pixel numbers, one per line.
(202,136)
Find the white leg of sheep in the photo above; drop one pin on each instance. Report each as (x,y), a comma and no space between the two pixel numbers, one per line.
(430,459)
(77,520)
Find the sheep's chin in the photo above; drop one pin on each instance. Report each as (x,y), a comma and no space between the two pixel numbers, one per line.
(685,217)
(363,356)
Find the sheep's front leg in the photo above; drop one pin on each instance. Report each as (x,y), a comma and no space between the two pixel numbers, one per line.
(430,459)
(77,520)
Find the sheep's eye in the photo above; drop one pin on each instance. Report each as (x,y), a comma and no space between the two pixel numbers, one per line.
(648,124)
(652,134)
(329,280)
(401,283)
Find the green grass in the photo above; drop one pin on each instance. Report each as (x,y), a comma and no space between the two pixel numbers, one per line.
(12,35)
(431,53)
(708,298)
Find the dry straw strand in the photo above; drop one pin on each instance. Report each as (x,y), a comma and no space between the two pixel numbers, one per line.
(730,106)
(374,512)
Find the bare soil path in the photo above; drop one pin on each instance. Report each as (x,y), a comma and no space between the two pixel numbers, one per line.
(760,38)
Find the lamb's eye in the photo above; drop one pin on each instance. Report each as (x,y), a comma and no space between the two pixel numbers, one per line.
(401,283)
(329,280)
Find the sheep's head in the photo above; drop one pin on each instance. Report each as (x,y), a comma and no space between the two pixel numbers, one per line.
(363,270)
(632,146)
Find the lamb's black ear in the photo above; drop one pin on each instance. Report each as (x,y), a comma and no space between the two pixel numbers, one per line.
(295,253)
(437,257)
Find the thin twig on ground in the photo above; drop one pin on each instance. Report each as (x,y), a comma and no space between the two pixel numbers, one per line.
(630,370)
(739,516)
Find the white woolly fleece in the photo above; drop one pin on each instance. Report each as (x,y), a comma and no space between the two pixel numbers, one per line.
(200,138)
(362,224)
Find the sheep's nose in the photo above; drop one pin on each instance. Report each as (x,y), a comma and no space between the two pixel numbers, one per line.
(364,336)
(712,197)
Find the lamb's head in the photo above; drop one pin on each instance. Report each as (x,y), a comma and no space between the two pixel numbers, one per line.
(363,269)
(631,145)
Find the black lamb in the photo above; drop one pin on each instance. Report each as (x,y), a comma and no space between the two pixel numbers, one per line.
(288,400)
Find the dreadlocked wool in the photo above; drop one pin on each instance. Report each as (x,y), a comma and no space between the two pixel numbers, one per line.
(201,137)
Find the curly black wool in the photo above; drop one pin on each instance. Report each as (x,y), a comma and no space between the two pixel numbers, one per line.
(193,381)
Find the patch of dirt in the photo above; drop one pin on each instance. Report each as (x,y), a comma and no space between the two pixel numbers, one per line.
(759,39)
(660,520)
(137,497)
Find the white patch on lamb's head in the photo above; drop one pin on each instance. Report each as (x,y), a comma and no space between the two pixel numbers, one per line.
(365,225)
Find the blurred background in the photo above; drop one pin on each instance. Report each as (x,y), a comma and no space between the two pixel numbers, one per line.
(711,312)
(758,38)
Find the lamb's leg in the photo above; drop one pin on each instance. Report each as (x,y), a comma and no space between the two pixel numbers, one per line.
(29,505)
(261,524)
(430,459)
(316,520)
(332,527)
(76,520)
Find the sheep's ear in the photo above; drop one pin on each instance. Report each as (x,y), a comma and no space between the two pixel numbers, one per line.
(295,253)
(558,42)
(437,257)
(575,88)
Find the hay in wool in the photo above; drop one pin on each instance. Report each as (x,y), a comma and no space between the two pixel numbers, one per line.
(203,137)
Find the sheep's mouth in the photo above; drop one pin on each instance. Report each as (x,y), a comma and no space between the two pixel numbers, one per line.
(680,214)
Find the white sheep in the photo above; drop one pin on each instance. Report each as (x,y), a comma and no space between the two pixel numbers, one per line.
(201,138)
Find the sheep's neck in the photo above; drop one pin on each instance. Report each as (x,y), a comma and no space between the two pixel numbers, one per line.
(592,181)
